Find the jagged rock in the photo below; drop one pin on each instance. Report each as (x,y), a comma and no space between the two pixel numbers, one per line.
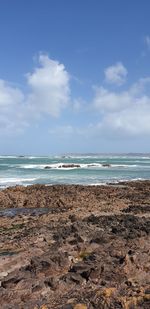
(69,165)
(64,247)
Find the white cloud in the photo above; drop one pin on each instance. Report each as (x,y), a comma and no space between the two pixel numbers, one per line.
(147,41)
(106,100)
(127,123)
(49,94)
(116,74)
(49,84)
(121,113)
(9,96)
(11,109)
(125,113)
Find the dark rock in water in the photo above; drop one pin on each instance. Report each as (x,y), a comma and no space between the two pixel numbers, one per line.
(106,165)
(69,165)
(47,167)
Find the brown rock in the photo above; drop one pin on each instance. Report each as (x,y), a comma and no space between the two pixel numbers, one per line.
(90,247)
(80,306)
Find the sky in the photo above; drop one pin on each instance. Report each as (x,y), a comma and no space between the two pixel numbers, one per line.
(74,76)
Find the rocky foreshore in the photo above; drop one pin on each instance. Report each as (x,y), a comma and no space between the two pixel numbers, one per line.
(75,247)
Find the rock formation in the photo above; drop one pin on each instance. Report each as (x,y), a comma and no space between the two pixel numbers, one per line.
(75,247)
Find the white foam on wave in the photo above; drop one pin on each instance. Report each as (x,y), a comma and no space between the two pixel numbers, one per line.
(139,178)
(90,165)
(30,166)
(38,157)
(15,180)
(9,157)
(76,165)
(62,166)
(124,165)
(97,184)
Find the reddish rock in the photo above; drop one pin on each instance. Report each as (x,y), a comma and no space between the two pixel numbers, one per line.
(75,247)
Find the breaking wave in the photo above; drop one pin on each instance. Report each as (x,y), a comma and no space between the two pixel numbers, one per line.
(69,166)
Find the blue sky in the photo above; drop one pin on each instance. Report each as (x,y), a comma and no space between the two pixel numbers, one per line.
(74,76)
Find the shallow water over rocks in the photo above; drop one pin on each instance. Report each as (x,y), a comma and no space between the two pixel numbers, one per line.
(12,212)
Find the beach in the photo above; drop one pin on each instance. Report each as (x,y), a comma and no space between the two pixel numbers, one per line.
(75,246)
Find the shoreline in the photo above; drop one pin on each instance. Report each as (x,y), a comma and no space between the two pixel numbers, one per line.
(65,245)
(83,170)
(109,183)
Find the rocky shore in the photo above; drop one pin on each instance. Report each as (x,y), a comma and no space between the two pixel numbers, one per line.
(75,247)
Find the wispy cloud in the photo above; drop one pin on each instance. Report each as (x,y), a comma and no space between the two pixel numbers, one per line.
(116,74)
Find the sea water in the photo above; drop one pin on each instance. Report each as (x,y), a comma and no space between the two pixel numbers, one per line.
(92,169)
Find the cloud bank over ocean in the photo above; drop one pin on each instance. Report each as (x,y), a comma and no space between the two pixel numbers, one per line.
(74,77)
(119,112)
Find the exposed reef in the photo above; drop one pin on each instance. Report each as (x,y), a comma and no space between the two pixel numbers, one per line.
(75,247)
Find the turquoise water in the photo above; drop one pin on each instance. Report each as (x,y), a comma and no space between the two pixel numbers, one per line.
(31,170)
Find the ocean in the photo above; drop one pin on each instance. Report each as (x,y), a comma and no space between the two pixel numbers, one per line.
(89,169)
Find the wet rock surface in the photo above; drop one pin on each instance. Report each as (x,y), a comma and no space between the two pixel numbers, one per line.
(75,247)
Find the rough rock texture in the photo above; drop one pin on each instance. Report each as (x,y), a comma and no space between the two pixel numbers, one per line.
(75,247)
